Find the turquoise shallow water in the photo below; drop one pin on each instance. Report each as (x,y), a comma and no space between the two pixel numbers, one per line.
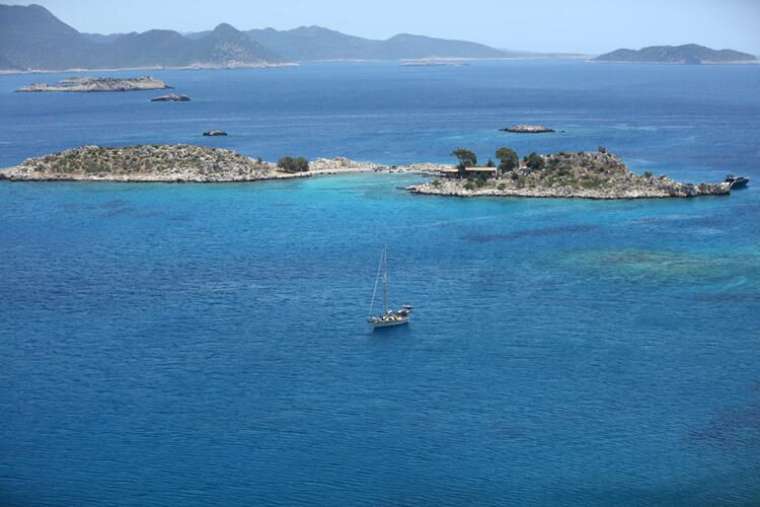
(206,345)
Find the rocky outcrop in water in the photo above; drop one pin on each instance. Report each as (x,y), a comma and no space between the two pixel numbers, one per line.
(172,97)
(215,133)
(528,129)
(598,175)
(98,84)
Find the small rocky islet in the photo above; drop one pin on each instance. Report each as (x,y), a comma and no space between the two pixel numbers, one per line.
(528,129)
(97,84)
(586,175)
(171,97)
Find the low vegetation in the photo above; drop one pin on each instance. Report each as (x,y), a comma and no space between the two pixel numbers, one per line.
(145,163)
(293,165)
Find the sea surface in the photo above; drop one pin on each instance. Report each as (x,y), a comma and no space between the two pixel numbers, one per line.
(195,345)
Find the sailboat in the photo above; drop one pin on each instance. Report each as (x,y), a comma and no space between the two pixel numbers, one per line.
(389,318)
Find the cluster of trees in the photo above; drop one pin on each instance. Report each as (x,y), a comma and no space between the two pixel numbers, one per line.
(293,165)
(507,157)
(534,161)
(467,158)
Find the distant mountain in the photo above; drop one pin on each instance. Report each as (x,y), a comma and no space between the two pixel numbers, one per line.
(686,54)
(32,38)
(222,46)
(317,43)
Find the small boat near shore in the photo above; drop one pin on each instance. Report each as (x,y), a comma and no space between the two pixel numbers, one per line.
(389,318)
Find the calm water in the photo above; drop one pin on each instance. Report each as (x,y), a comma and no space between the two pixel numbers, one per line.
(206,345)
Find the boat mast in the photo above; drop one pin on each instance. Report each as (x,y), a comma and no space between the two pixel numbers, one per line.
(385,280)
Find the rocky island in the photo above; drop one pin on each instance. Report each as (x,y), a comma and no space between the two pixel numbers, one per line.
(98,84)
(584,175)
(179,163)
(528,129)
(172,97)
(687,54)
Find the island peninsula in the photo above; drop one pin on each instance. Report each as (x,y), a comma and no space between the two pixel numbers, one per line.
(587,175)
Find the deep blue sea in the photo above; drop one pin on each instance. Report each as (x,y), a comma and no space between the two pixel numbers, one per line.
(191,345)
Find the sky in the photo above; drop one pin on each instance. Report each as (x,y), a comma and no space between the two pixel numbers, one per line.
(585,26)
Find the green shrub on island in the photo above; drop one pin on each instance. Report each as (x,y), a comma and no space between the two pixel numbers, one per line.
(470,185)
(490,163)
(508,159)
(648,174)
(436,183)
(466,157)
(293,165)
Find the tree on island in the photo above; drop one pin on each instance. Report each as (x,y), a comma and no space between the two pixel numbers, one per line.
(293,165)
(508,159)
(466,159)
(534,161)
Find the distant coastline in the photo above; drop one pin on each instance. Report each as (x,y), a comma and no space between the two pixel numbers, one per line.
(152,68)
(738,62)
(422,62)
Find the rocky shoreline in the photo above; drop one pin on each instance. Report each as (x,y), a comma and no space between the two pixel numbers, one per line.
(586,175)
(97,84)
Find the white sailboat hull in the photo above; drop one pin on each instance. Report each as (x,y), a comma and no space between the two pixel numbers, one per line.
(381,323)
